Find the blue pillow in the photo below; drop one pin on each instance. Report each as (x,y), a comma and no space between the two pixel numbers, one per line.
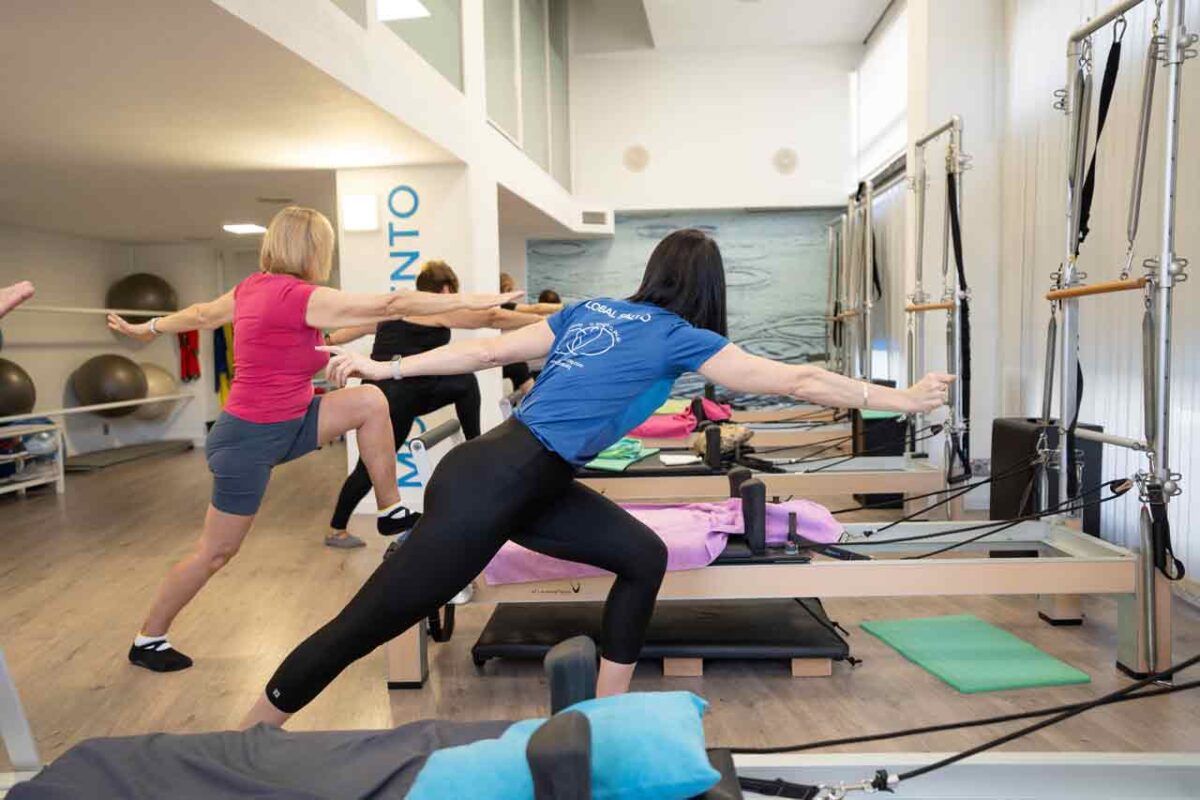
(645,746)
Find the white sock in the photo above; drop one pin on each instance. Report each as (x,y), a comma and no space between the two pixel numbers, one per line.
(385,512)
(142,641)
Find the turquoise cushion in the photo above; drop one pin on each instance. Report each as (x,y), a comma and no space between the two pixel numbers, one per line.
(645,746)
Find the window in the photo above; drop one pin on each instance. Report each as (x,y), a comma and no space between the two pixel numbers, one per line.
(431,27)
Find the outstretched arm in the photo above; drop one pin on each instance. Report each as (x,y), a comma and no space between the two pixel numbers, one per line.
(468,319)
(331,308)
(196,317)
(347,335)
(13,296)
(458,358)
(736,369)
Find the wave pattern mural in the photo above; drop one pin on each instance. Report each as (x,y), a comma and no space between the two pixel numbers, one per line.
(776,271)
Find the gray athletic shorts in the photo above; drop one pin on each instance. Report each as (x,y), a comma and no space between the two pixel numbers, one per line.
(241,455)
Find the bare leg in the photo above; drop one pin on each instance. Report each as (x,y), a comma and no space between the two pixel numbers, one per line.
(263,711)
(614,678)
(223,535)
(13,296)
(364,409)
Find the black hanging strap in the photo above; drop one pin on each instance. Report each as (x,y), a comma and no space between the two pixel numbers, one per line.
(1160,535)
(961,444)
(1111,67)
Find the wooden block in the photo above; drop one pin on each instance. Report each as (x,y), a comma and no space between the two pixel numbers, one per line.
(406,660)
(1061,609)
(812,667)
(683,667)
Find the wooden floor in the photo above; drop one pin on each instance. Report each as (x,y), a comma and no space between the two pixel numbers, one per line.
(77,571)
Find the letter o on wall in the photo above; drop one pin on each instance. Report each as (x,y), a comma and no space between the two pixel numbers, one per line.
(407,190)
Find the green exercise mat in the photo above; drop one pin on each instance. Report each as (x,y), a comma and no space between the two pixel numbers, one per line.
(972,655)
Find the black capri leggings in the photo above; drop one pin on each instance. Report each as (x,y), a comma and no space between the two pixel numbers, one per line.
(407,400)
(503,485)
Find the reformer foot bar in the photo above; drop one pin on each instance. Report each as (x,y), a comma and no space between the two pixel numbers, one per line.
(1170,46)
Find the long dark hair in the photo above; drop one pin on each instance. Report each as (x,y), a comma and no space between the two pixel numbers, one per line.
(685,275)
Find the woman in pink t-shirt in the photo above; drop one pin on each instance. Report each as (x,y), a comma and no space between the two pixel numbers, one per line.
(272,415)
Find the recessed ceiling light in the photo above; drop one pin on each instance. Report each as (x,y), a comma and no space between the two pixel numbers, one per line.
(244,228)
(389,10)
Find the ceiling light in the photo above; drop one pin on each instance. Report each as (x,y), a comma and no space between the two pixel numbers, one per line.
(360,212)
(244,228)
(389,10)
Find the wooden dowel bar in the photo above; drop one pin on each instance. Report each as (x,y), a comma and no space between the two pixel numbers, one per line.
(1107,287)
(62,412)
(123,312)
(844,315)
(920,308)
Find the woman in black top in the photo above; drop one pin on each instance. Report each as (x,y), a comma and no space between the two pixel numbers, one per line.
(410,399)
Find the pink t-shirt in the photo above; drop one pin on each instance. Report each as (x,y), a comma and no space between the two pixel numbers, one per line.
(273,356)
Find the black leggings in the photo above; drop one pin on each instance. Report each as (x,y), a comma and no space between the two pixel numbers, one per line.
(407,400)
(503,485)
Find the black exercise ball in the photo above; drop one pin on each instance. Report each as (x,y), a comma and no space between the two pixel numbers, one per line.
(109,379)
(17,393)
(142,292)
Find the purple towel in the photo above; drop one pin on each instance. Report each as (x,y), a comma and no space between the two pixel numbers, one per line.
(695,534)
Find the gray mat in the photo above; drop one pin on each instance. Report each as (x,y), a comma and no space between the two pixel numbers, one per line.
(99,459)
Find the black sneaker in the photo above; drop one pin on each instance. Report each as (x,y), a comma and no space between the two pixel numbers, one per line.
(158,657)
(398,520)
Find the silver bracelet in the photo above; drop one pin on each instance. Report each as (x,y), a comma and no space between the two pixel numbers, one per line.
(396,369)
(866,396)
(154,325)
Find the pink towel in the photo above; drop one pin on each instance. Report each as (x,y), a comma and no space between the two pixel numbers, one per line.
(681,425)
(695,534)
(666,426)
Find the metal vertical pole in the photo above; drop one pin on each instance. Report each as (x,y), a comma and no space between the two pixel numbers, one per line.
(850,330)
(831,297)
(843,291)
(916,321)
(868,272)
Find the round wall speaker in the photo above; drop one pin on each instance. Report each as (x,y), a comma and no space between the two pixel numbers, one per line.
(636,158)
(784,161)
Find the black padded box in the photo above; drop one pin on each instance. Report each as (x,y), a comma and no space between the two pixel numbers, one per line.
(715,629)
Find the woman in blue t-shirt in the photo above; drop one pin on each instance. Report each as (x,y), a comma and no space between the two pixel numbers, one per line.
(609,364)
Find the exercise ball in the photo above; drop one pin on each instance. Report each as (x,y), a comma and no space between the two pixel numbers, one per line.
(17,393)
(159,383)
(143,292)
(109,379)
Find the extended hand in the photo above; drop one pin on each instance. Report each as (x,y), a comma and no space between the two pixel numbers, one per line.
(930,393)
(13,296)
(141,332)
(345,364)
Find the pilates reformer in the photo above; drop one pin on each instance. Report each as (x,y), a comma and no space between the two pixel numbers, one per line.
(264,761)
(1034,556)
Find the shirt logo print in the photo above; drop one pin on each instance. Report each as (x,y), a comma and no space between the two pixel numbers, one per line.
(584,340)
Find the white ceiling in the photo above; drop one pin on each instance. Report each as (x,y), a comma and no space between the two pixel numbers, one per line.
(138,120)
(738,24)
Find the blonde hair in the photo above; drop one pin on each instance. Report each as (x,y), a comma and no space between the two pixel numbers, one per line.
(299,241)
(435,275)
(506,280)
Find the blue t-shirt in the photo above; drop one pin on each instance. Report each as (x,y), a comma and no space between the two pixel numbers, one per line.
(612,365)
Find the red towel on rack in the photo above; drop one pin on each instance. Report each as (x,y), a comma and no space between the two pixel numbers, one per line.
(189,356)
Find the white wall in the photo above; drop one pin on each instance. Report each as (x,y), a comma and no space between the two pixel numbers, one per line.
(513,248)
(712,123)
(880,96)
(71,271)
(1033,235)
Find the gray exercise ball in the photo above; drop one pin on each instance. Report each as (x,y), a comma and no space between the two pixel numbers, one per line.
(142,292)
(17,392)
(109,379)
(159,383)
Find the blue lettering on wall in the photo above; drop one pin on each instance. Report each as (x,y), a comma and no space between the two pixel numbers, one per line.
(403,202)
(406,468)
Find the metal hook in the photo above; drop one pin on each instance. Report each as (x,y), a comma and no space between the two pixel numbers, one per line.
(1119,28)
